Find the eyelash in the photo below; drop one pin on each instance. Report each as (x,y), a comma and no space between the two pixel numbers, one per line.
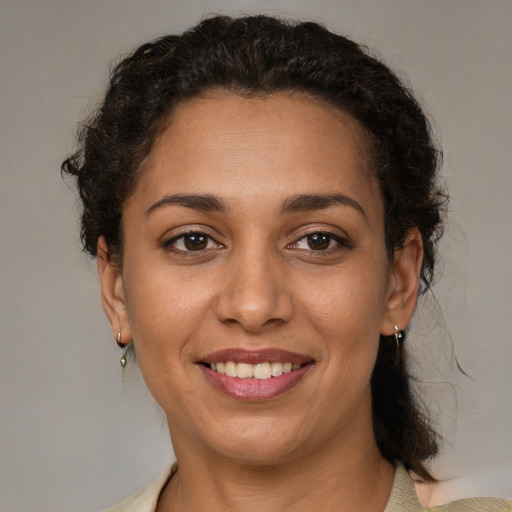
(328,237)
(342,242)
(171,243)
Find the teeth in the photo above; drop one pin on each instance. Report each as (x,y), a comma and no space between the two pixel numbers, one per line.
(260,371)
(230,369)
(245,371)
(276,369)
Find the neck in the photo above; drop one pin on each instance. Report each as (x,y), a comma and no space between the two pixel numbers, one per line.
(339,476)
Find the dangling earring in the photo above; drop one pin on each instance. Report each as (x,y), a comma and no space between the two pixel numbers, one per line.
(399,338)
(124,347)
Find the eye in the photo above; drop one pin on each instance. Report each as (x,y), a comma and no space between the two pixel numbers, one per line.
(318,241)
(192,241)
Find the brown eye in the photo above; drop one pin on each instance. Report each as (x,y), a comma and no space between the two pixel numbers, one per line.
(321,241)
(318,241)
(195,242)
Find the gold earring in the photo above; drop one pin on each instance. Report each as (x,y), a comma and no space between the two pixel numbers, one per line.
(124,347)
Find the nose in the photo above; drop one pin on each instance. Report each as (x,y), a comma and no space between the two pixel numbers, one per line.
(255,294)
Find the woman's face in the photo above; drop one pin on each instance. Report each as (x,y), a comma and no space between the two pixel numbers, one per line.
(254,244)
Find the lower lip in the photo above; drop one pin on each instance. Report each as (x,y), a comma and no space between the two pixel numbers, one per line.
(255,390)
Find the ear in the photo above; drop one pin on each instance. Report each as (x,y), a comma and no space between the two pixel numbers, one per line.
(112,293)
(404,282)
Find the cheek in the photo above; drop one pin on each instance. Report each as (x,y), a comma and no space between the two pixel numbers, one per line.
(346,309)
(348,299)
(163,315)
(159,298)
(164,312)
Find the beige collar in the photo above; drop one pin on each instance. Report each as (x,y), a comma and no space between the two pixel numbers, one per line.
(403,496)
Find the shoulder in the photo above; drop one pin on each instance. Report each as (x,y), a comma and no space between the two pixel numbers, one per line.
(403,499)
(145,500)
(474,505)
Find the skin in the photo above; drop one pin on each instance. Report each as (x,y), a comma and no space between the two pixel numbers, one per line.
(257,285)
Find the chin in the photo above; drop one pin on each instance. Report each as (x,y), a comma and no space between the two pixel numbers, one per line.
(259,443)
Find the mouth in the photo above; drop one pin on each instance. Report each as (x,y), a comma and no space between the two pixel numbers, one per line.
(255,375)
(262,371)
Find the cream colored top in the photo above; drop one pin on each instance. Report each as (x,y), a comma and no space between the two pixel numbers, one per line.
(402,498)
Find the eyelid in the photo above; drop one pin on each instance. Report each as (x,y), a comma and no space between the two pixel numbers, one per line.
(333,231)
(337,239)
(168,241)
(336,234)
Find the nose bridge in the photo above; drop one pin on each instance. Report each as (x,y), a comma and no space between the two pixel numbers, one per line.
(255,294)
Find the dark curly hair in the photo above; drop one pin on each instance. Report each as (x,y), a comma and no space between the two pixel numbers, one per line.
(259,56)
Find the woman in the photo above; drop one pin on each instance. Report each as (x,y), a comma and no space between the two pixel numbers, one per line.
(262,200)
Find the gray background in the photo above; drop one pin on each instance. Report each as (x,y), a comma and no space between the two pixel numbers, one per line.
(73,436)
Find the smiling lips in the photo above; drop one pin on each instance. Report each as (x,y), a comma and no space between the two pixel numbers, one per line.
(260,371)
(255,375)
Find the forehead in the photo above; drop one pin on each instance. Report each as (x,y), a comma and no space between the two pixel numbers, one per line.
(238,147)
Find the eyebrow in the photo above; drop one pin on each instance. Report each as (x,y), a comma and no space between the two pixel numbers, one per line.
(297,203)
(309,202)
(202,202)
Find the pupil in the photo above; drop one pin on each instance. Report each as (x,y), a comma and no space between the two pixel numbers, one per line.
(319,241)
(195,242)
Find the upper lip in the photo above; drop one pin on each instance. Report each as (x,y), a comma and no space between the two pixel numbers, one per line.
(270,355)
